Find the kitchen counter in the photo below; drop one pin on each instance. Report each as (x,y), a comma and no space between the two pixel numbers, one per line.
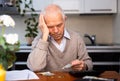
(107,56)
(112,48)
(94,48)
(24,48)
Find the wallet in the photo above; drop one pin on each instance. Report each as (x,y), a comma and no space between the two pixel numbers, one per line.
(79,79)
(85,73)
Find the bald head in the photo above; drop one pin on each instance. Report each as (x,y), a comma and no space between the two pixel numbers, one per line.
(52,21)
(53,9)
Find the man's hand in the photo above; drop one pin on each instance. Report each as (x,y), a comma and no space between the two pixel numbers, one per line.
(78,65)
(44,28)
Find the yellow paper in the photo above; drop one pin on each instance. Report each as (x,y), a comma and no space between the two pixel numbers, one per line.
(2,73)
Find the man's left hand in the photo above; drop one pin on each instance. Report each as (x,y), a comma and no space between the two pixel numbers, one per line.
(78,65)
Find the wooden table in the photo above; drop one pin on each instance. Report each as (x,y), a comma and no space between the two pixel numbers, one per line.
(64,76)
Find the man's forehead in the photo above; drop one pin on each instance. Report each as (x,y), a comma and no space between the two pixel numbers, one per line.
(53,17)
(54,23)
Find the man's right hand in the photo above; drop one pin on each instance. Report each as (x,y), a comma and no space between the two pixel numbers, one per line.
(44,28)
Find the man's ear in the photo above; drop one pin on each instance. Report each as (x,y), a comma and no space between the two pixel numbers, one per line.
(65,18)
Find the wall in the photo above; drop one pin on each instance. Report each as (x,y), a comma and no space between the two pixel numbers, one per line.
(116,26)
(100,25)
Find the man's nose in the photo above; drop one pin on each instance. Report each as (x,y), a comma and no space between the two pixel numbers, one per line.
(55,29)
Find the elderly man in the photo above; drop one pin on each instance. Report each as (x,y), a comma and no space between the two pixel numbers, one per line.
(57,46)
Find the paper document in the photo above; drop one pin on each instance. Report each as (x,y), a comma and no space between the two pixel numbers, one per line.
(21,75)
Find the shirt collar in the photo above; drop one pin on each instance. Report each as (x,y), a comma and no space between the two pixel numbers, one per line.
(66,35)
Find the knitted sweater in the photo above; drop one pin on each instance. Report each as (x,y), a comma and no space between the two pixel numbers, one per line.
(46,57)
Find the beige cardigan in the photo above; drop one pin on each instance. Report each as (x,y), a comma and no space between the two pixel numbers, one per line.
(46,57)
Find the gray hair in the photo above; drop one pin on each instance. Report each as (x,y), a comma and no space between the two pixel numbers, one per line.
(44,11)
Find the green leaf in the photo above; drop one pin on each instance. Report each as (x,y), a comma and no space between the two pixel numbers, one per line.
(2,42)
(26,6)
(36,24)
(32,9)
(30,2)
(19,10)
(14,47)
(16,2)
(24,11)
(20,1)
(3,61)
(11,57)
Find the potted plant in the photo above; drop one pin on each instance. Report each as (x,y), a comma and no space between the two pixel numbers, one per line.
(31,22)
(31,30)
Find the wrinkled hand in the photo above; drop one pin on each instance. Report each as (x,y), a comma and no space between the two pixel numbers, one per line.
(43,27)
(78,65)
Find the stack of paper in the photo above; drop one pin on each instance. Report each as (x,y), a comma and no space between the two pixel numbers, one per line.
(21,75)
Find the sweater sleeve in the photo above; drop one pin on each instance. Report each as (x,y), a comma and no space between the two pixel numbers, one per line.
(83,54)
(37,58)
